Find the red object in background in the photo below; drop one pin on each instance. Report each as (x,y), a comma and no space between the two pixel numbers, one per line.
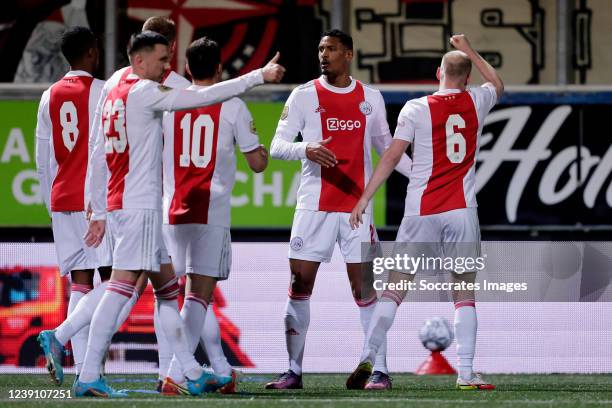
(436,364)
(31,299)
(35,298)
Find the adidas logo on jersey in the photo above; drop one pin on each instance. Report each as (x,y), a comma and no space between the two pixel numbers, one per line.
(334,124)
(320,109)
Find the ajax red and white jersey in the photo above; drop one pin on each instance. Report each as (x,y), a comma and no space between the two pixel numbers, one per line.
(65,116)
(354,117)
(130,136)
(200,161)
(444,130)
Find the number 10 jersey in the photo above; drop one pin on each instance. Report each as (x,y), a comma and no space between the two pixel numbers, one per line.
(200,163)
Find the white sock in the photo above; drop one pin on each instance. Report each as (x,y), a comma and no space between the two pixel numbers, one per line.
(81,315)
(366,309)
(174,328)
(466,325)
(79,340)
(103,326)
(193,314)
(380,323)
(127,308)
(211,338)
(164,351)
(297,319)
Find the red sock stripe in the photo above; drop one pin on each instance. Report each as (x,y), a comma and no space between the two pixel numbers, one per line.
(78,287)
(168,284)
(392,296)
(121,288)
(462,303)
(195,298)
(169,291)
(298,296)
(366,302)
(124,284)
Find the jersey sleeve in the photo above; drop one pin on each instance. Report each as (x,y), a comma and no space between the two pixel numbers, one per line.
(43,149)
(290,124)
(162,98)
(244,129)
(485,97)
(95,93)
(97,169)
(381,135)
(406,123)
(381,126)
(381,138)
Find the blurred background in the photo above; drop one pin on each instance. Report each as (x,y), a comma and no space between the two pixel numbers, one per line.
(544,171)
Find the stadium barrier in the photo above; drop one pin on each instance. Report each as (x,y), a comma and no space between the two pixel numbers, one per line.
(543,164)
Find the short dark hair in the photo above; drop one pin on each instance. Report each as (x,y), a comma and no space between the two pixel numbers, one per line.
(344,38)
(145,41)
(161,25)
(76,42)
(203,57)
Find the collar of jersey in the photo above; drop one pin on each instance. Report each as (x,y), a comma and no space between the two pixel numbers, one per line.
(448,91)
(77,72)
(335,89)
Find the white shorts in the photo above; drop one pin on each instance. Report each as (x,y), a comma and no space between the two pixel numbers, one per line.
(69,228)
(200,249)
(105,249)
(315,233)
(454,233)
(138,239)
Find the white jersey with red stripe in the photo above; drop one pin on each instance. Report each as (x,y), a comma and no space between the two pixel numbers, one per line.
(200,161)
(444,130)
(65,116)
(129,136)
(355,118)
(171,79)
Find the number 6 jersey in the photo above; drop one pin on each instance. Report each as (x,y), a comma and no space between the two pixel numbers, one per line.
(444,130)
(65,115)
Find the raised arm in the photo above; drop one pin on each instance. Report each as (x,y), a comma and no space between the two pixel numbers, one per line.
(485,69)
(168,99)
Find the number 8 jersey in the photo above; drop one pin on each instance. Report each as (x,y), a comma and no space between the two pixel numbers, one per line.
(65,114)
(444,130)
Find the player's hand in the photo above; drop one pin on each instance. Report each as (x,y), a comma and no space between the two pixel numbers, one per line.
(318,153)
(272,71)
(461,43)
(262,151)
(356,217)
(95,233)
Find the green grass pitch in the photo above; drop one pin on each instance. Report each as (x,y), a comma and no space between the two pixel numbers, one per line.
(327,390)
